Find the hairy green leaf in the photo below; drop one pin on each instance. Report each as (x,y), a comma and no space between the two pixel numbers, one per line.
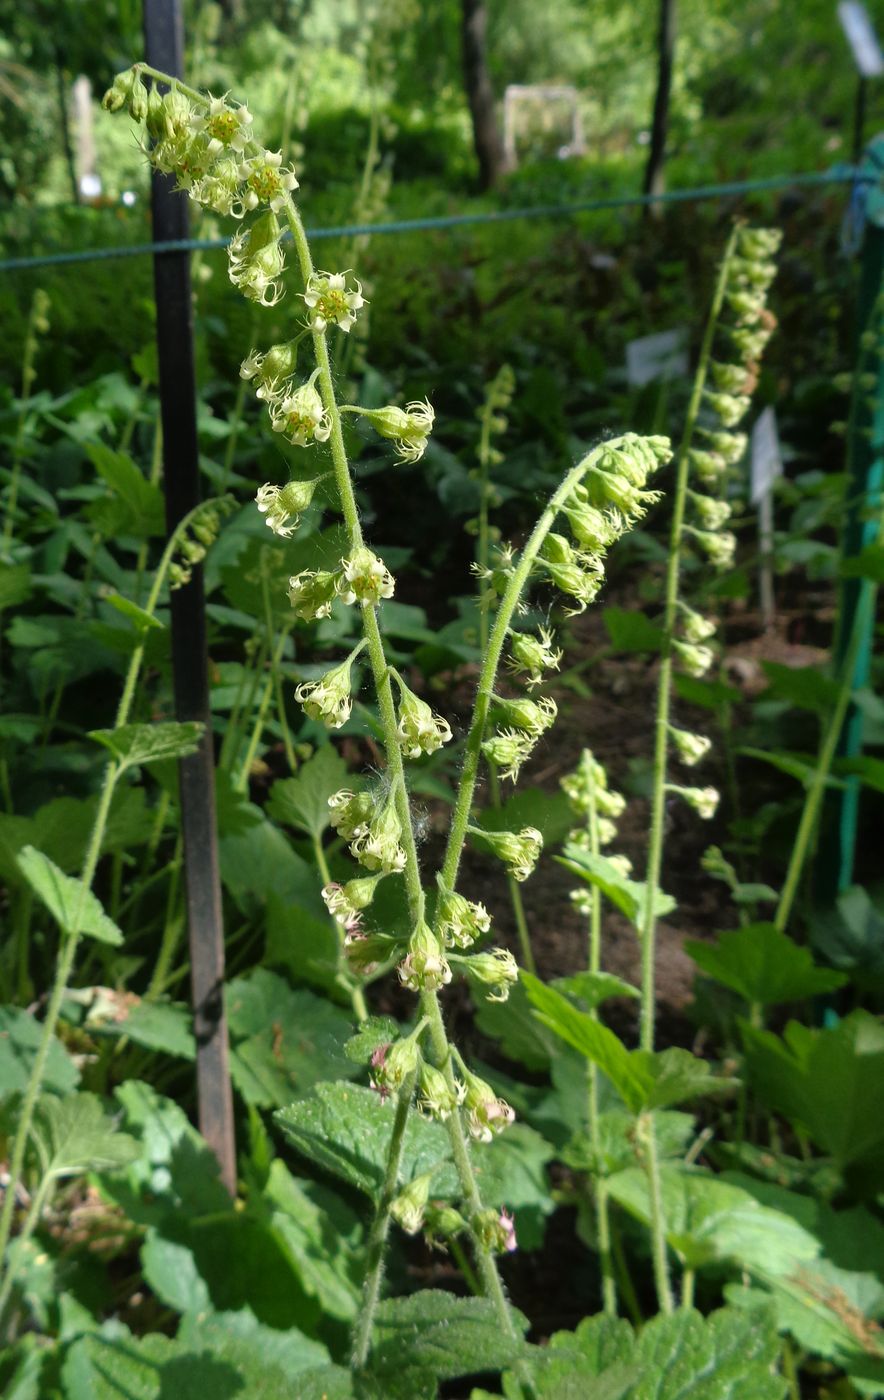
(75,908)
(150,743)
(763,965)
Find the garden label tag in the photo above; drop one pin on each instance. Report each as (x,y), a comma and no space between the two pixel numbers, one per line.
(766,461)
(860,35)
(660,356)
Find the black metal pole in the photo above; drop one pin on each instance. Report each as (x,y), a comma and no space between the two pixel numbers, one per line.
(164,42)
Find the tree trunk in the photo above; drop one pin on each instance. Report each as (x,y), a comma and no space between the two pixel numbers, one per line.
(486,137)
(655,180)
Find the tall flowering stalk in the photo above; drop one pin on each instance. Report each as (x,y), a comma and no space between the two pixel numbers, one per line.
(698,519)
(208,145)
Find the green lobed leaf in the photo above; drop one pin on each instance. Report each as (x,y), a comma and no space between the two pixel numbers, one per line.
(628,895)
(345,1129)
(302,801)
(371,1035)
(831,1082)
(643,1080)
(15,585)
(595,987)
(253,1349)
(141,620)
(20,1034)
(78,1136)
(75,908)
(709,1220)
(730,1355)
(631,631)
(283,1039)
(323,1239)
(122,1367)
(138,505)
(150,743)
(305,945)
(763,965)
(157,1025)
(436,1333)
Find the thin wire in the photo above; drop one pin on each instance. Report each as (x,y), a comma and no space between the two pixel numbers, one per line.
(837,174)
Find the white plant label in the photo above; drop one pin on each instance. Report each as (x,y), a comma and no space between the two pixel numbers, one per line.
(660,356)
(860,34)
(767,463)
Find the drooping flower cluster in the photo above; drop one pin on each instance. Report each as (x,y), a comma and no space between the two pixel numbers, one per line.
(362,577)
(598,806)
(374,833)
(750,273)
(407,428)
(330,698)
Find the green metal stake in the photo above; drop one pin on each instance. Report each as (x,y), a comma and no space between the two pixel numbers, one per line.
(865,465)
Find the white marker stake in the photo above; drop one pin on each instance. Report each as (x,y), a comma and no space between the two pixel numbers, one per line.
(660,356)
(860,35)
(766,465)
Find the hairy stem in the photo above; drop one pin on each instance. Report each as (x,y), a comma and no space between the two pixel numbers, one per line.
(603,1222)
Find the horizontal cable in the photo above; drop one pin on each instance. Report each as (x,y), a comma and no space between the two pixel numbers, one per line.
(838,174)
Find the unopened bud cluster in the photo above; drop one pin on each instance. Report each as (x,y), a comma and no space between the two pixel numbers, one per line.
(599,807)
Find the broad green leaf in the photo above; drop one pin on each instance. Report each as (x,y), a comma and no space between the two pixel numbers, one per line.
(20,1034)
(15,585)
(305,945)
(253,1349)
(302,801)
(74,907)
(436,1333)
(21,1370)
(870,771)
(628,895)
(643,1080)
(802,686)
(631,631)
(325,1247)
(709,1221)
(141,620)
(283,1040)
(831,1082)
(595,987)
(75,1135)
(157,1025)
(150,743)
(258,860)
(850,933)
(345,1130)
(708,695)
(726,1356)
(177,1174)
(371,1035)
(549,812)
(796,765)
(122,1367)
(138,505)
(869,563)
(516,1029)
(763,965)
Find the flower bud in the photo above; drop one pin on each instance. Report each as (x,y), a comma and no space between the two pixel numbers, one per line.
(710,467)
(459,921)
(497,970)
(438,1099)
(364,578)
(408,1207)
(711,513)
(271,367)
(730,379)
(420,730)
(425,968)
(519,850)
(759,242)
(346,902)
(750,342)
(508,750)
(719,548)
(366,951)
(533,655)
(392,1064)
(376,846)
(329,699)
(300,416)
(695,659)
(495,1230)
(443,1223)
(256,260)
(312,593)
(487,1115)
(409,428)
(532,716)
(594,530)
(696,627)
(729,408)
(691,748)
(350,812)
(703,800)
(283,503)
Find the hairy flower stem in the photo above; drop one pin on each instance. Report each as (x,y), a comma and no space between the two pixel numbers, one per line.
(664,685)
(648,927)
(377,1240)
(603,1223)
(487,675)
(381,674)
(70,941)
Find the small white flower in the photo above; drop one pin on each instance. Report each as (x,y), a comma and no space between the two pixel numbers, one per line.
(364,577)
(330,302)
(266,182)
(300,416)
